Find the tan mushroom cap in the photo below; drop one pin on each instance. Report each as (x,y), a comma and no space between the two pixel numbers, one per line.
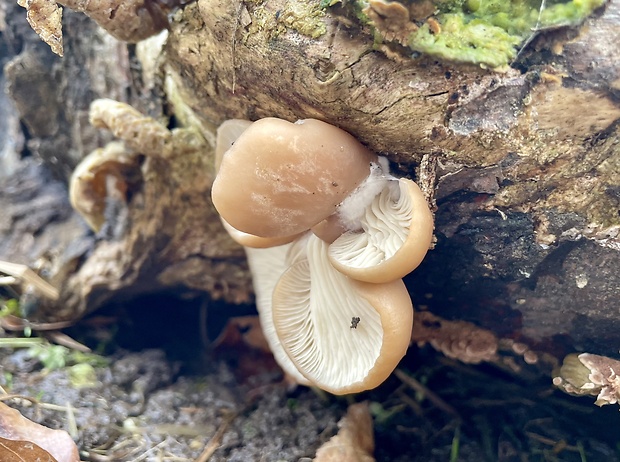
(344,336)
(281,178)
(256,242)
(397,230)
(227,134)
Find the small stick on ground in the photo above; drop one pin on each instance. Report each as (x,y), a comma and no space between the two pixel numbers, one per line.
(215,442)
(432,397)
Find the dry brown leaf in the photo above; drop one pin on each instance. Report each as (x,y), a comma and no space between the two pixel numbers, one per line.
(23,451)
(45,17)
(243,330)
(15,427)
(354,442)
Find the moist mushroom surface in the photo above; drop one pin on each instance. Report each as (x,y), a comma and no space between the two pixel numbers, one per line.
(396,232)
(281,178)
(331,300)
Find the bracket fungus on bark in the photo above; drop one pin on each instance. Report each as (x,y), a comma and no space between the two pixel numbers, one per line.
(335,326)
(100,177)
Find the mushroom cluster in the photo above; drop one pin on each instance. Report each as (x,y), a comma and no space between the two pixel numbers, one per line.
(329,234)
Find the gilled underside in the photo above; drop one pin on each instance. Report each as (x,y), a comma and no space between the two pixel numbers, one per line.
(384,229)
(315,309)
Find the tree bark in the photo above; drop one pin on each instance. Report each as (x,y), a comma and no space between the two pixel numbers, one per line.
(523,166)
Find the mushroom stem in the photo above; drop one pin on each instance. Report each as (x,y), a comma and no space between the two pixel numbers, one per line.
(266,266)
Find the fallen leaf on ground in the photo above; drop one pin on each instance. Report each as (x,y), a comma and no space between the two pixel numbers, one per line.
(243,342)
(15,427)
(354,442)
(243,330)
(23,451)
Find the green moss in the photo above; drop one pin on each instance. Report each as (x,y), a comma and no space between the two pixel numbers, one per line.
(474,42)
(490,32)
(82,375)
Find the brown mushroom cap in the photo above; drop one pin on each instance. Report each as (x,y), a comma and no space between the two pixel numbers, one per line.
(281,178)
(227,134)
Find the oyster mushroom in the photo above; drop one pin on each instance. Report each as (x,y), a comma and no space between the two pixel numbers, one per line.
(396,232)
(281,178)
(266,257)
(343,335)
(227,133)
(276,181)
(266,266)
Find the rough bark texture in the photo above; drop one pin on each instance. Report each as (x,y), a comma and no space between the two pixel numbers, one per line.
(523,166)
(174,238)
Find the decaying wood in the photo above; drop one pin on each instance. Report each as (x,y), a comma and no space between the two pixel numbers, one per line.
(161,249)
(526,162)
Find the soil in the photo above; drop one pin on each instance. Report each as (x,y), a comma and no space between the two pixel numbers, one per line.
(166,395)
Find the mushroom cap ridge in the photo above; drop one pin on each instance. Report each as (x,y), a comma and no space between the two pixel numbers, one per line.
(281,178)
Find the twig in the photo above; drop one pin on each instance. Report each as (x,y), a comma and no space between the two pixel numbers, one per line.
(15,323)
(38,404)
(147,453)
(432,397)
(71,423)
(66,341)
(7,280)
(28,276)
(413,404)
(215,442)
